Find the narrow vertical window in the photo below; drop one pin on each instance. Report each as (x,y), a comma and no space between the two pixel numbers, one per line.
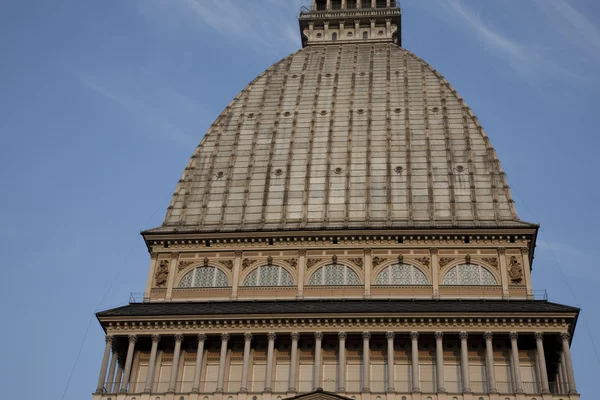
(365,35)
(334,36)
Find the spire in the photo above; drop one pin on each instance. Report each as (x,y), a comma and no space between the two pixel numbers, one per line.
(351,21)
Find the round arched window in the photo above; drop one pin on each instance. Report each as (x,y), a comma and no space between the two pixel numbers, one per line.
(401,274)
(334,275)
(269,275)
(204,277)
(469,274)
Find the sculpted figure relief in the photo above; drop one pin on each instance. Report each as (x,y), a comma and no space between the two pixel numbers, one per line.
(515,270)
(162,273)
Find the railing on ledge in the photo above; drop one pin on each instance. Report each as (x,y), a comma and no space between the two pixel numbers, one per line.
(307,13)
(330,385)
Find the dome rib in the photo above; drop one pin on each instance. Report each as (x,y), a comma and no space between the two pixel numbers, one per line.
(344,136)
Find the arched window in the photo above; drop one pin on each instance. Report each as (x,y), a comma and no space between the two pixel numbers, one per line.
(269,275)
(401,274)
(334,36)
(365,35)
(334,275)
(469,274)
(204,277)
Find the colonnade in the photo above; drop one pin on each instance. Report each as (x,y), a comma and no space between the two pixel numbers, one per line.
(123,372)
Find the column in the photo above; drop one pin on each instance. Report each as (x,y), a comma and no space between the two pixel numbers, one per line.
(172,273)
(541,358)
(439,362)
(128,363)
(317,372)
(388,3)
(301,270)
(246,362)
(391,374)
(342,35)
(527,272)
(222,360)
(198,367)
(359,3)
(237,268)
(326,30)
(373,34)
(342,362)
(328,5)
(344,4)
(102,378)
(516,363)
(153,258)
(563,374)
(111,371)
(366,362)
(175,367)
(373,3)
(414,337)
(293,362)
(568,362)
(356,35)
(435,260)
(152,364)
(368,263)
(503,271)
(119,377)
(489,359)
(464,362)
(314,5)
(269,375)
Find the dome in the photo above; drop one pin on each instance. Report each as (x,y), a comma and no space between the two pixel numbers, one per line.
(349,136)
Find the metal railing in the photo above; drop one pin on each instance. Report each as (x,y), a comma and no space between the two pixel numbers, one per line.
(331,385)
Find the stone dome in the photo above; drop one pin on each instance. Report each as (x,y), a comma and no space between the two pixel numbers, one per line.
(348,136)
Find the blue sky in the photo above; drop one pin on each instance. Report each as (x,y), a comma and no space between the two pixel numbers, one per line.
(103,102)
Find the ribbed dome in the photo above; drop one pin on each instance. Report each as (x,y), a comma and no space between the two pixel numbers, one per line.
(344,136)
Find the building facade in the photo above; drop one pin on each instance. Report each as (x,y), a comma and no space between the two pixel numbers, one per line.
(344,229)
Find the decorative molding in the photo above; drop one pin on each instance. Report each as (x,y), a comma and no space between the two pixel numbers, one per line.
(319,335)
(342,335)
(162,274)
(368,251)
(295,336)
(445,261)
(463,335)
(390,335)
(292,262)
(202,337)
(175,255)
(433,250)
(184,264)
(488,335)
(247,336)
(493,261)
(238,253)
(439,335)
(247,263)
(366,335)
(178,337)
(225,336)
(378,261)
(227,263)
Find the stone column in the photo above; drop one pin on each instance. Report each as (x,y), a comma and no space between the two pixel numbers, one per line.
(119,377)
(152,364)
(111,371)
(237,268)
(373,3)
(269,374)
(388,3)
(568,362)
(516,363)
(222,360)
(503,271)
(128,364)
(153,259)
(541,358)
(246,362)
(328,5)
(198,368)
(359,3)
(366,362)
(102,378)
(317,372)
(435,259)
(373,34)
(314,5)
(489,359)
(464,362)
(293,363)
(391,375)
(342,35)
(175,367)
(368,266)
(301,270)
(342,362)
(414,337)
(172,273)
(527,272)
(326,30)
(563,374)
(344,4)
(357,27)
(439,362)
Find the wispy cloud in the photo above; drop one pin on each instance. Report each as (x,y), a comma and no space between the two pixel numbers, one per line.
(264,25)
(154,117)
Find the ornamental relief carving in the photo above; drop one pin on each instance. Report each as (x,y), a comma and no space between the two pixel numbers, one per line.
(292,262)
(183,265)
(423,261)
(311,262)
(162,274)
(359,262)
(378,261)
(515,271)
(493,261)
(227,264)
(247,263)
(445,261)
